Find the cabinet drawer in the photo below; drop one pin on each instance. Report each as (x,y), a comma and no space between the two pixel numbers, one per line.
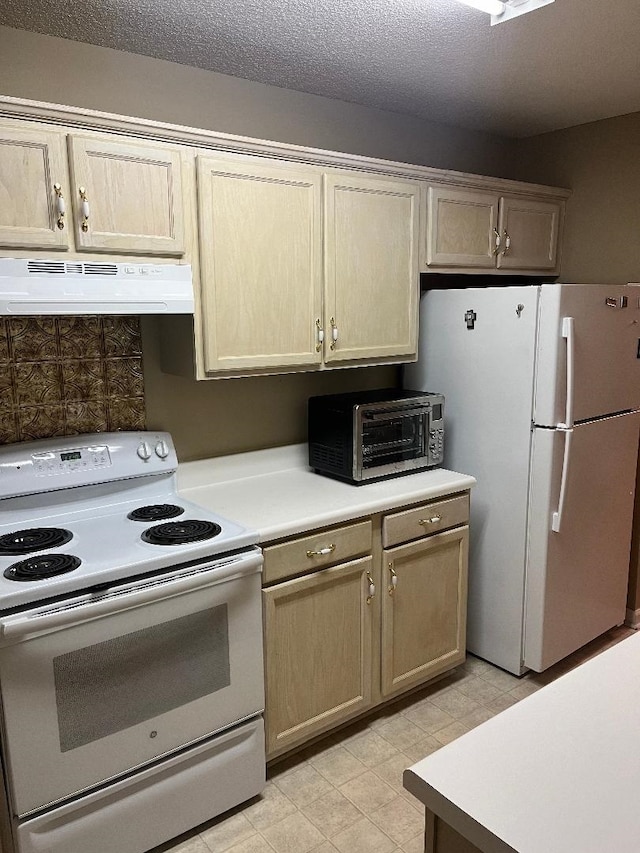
(423,520)
(321,549)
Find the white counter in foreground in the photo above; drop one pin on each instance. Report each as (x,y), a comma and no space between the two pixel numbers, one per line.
(275,492)
(557,773)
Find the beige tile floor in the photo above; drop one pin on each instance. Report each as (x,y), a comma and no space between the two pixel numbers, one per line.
(345,795)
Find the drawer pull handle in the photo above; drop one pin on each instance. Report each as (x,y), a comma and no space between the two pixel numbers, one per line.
(60,204)
(334,334)
(84,209)
(321,552)
(433,520)
(394,579)
(372,588)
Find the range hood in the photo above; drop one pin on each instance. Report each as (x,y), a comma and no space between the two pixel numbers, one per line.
(43,287)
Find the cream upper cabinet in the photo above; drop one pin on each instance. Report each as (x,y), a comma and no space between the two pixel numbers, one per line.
(529,234)
(461,228)
(423,609)
(485,230)
(371,268)
(127,197)
(260,241)
(34,189)
(265,303)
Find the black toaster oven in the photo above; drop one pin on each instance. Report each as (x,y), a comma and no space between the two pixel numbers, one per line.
(368,435)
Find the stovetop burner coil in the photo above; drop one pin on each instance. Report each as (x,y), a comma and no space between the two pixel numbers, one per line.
(181,532)
(42,567)
(33,539)
(155,512)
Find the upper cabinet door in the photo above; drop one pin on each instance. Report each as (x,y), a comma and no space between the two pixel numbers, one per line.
(461,228)
(260,239)
(34,189)
(529,234)
(371,268)
(127,197)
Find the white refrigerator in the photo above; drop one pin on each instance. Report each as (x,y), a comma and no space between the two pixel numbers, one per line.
(542,392)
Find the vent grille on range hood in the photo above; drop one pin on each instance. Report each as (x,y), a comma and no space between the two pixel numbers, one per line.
(53,287)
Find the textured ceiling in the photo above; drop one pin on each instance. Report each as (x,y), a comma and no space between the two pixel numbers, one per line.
(565,64)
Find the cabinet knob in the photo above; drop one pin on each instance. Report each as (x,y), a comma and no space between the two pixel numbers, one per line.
(433,520)
(321,552)
(507,242)
(84,209)
(371,588)
(498,243)
(334,333)
(60,204)
(320,336)
(394,579)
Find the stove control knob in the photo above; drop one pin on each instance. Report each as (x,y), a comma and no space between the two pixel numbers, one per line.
(144,451)
(162,449)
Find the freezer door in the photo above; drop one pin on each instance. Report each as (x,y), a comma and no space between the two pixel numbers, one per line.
(605,339)
(576,578)
(477,347)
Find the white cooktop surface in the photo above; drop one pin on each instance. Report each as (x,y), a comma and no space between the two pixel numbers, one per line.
(105,540)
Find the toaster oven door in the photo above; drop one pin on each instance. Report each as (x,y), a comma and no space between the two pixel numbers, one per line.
(392,440)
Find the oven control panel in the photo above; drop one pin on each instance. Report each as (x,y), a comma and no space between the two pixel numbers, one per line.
(52,462)
(62,462)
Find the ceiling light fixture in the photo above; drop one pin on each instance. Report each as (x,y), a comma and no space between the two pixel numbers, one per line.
(501,11)
(491,7)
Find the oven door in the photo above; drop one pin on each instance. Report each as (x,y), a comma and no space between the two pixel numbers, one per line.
(96,686)
(391,439)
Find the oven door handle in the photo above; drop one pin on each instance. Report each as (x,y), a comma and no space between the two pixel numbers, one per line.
(90,606)
(395,413)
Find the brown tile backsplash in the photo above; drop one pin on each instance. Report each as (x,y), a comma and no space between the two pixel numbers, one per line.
(32,338)
(69,375)
(121,336)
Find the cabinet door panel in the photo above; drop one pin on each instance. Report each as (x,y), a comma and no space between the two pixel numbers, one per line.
(318,652)
(371,267)
(461,227)
(260,231)
(423,620)
(532,227)
(31,162)
(134,194)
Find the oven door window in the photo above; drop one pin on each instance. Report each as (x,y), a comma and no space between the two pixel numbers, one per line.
(93,700)
(393,438)
(110,686)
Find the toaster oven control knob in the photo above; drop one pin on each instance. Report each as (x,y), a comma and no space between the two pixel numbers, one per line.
(162,449)
(144,451)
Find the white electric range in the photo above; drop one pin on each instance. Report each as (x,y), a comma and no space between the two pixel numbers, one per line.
(130,648)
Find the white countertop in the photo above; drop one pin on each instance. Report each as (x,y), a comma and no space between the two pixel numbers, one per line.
(275,492)
(557,773)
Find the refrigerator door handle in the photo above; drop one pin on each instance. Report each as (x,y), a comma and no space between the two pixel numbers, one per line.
(568,335)
(556,520)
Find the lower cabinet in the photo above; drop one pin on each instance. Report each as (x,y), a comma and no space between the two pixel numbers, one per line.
(318,664)
(359,614)
(424,609)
